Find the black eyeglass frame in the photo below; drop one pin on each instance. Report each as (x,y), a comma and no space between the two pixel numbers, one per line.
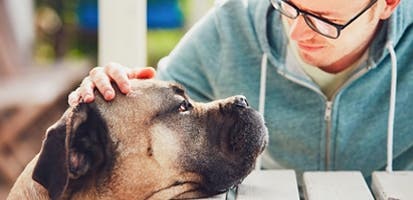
(339,27)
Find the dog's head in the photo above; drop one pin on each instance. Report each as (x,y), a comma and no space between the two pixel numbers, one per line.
(154,142)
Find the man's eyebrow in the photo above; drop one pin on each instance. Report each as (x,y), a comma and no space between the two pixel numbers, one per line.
(320,13)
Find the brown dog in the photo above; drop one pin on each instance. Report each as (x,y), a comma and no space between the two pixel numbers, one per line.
(154,143)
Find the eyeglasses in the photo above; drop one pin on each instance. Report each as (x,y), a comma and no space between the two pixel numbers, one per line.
(318,24)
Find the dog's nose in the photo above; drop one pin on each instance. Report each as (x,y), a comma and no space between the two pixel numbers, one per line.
(241,101)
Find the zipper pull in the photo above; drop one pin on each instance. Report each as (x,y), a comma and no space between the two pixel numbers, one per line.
(327,115)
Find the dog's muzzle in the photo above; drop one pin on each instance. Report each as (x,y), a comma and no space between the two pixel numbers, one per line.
(242,128)
(237,135)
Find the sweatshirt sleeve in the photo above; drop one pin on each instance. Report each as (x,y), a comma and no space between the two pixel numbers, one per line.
(194,61)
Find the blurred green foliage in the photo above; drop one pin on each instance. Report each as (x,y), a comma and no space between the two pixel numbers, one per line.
(59,35)
(160,42)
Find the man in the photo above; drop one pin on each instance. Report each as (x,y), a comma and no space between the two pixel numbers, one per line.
(327,86)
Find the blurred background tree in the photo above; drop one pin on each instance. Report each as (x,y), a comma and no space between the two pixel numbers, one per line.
(66,30)
(69,29)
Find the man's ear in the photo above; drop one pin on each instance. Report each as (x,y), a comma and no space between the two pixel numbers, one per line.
(74,150)
(390,6)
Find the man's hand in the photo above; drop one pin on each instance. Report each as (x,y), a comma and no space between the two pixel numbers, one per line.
(101,78)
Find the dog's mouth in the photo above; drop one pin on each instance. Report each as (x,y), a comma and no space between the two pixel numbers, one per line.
(242,134)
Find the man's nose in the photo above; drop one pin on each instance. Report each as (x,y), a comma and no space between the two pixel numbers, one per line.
(299,30)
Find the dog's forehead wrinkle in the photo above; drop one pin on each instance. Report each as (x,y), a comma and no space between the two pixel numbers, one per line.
(150,85)
(153,86)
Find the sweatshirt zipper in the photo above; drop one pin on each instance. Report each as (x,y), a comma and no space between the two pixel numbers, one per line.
(328,105)
(327,118)
(329,110)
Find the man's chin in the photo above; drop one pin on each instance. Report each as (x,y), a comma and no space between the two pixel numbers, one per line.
(309,59)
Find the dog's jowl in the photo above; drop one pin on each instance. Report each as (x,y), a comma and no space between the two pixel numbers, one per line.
(153,143)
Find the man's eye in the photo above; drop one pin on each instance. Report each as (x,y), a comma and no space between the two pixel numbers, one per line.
(184,106)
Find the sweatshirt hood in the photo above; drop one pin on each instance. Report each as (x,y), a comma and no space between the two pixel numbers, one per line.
(263,16)
(392,30)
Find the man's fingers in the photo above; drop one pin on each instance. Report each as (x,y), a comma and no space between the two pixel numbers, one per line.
(102,82)
(101,78)
(118,74)
(74,98)
(83,93)
(86,90)
(142,73)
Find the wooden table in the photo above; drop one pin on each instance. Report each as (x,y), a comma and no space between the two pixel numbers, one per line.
(317,185)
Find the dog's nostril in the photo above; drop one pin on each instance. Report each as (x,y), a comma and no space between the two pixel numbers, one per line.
(241,101)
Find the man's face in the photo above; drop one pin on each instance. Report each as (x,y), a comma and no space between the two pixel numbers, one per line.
(333,54)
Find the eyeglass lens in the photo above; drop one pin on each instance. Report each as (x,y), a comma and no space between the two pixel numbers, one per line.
(316,24)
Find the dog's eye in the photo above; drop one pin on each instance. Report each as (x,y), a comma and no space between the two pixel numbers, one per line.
(184,106)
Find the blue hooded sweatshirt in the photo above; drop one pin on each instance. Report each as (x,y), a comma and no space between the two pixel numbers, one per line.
(240,47)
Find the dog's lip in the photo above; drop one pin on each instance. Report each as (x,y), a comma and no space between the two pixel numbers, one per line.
(236,138)
(244,132)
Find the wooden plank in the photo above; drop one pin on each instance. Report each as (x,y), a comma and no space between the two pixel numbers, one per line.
(397,185)
(267,184)
(34,92)
(29,96)
(216,197)
(10,168)
(41,85)
(342,185)
(10,129)
(24,151)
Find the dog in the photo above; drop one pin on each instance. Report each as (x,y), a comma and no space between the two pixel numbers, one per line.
(153,143)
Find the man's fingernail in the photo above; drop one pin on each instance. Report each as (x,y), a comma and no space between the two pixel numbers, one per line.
(87,97)
(125,88)
(74,101)
(71,102)
(109,94)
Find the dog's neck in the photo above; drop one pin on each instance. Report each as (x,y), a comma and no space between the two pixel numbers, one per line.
(148,188)
(150,181)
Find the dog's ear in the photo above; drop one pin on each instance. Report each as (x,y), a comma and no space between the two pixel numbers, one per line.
(50,170)
(74,149)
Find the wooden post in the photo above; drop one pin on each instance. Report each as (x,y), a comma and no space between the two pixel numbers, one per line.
(321,185)
(21,16)
(122,32)
(9,58)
